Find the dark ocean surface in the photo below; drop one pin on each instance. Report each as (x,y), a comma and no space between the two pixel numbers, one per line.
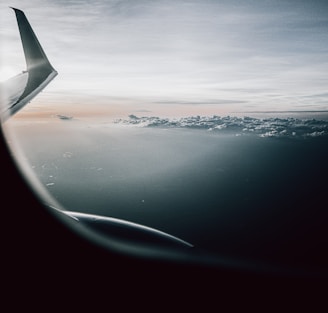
(231,191)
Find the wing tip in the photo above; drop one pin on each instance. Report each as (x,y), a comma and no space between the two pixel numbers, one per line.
(16,10)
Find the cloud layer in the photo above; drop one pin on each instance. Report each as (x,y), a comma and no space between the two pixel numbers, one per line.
(268,127)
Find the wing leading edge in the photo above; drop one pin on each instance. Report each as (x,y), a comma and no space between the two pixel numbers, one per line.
(39,71)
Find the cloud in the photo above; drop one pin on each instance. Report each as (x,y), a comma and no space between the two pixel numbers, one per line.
(64,117)
(205,102)
(268,127)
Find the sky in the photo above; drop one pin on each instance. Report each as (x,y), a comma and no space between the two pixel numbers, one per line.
(175,58)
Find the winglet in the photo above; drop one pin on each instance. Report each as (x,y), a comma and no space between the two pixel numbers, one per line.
(40,71)
(34,54)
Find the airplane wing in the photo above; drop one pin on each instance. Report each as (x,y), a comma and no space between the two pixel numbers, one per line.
(21,89)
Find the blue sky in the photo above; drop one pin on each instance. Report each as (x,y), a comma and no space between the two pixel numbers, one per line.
(177,57)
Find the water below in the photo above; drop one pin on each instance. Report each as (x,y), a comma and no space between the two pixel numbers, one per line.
(242,196)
